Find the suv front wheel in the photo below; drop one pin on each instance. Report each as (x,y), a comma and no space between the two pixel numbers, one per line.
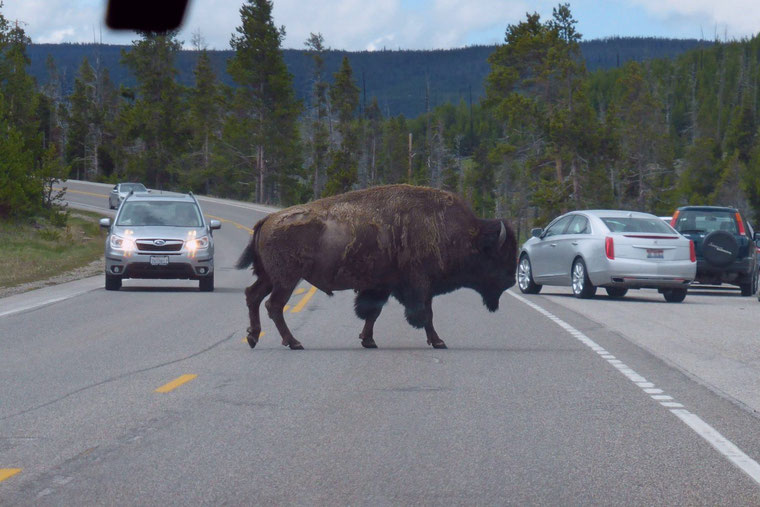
(113,282)
(206,284)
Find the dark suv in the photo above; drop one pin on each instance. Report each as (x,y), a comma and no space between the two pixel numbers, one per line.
(725,251)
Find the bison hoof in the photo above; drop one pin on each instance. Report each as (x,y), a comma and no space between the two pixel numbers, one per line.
(440,344)
(296,346)
(369,343)
(252,342)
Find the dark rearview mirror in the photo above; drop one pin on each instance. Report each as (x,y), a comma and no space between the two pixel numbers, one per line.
(105,223)
(145,15)
(536,232)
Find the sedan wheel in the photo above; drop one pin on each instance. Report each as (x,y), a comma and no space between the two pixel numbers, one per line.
(616,292)
(582,286)
(674,295)
(525,277)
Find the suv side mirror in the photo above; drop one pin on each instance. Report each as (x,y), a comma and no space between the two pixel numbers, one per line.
(757,236)
(536,232)
(105,223)
(214,225)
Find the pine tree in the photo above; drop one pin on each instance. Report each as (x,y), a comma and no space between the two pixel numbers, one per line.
(156,121)
(319,124)
(206,116)
(342,173)
(263,129)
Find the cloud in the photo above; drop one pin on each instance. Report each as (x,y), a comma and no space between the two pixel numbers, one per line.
(56,36)
(345,24)
(737,18)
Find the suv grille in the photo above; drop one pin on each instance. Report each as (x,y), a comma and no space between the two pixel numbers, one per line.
(148,245)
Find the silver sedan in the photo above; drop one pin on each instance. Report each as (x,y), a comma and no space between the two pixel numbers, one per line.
(617,250)
(121,191)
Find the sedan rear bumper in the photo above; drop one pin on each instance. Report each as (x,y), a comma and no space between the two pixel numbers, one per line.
(642,274)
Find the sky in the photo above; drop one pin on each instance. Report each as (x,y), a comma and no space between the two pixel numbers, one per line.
(357,25)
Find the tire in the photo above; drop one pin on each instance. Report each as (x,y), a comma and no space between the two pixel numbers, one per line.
(582,286)
(616,292)
(113,282)
(720,248)
(525,277)
(750,288)
(674,295)
(206,284)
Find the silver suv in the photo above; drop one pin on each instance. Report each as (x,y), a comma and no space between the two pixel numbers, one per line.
(160,236)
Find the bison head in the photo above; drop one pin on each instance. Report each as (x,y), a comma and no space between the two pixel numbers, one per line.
(498,260)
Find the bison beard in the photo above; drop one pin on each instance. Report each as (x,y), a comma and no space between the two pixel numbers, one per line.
(408,242)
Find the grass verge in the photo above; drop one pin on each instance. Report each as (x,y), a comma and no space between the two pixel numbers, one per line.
(32,252)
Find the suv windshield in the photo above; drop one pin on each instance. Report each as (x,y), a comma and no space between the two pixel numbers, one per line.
(132,187)
(160,213)
(629,224)
(706,221)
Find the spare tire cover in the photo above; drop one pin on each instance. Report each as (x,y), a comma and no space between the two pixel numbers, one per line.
(720,248)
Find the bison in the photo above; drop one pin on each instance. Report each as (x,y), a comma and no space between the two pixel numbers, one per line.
(409,242)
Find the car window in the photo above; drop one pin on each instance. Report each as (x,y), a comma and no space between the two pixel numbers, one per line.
(557,227)
(134,187)
(579,225)
(696,221)
(638,224)
(160,213)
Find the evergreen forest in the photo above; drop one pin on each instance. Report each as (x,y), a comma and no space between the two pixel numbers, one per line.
(548,128)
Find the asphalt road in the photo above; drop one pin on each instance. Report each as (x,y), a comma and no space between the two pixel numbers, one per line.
(550,400)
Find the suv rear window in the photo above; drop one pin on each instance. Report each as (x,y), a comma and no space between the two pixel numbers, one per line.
(160,213)
(630,224)
(695,221)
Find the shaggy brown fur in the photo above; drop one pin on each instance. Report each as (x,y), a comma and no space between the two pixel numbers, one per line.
(410,242)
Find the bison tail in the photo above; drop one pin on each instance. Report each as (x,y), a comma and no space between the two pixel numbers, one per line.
(251,255)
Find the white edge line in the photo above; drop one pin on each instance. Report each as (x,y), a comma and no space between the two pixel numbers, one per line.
(693,421)
(46,302)
(720,443)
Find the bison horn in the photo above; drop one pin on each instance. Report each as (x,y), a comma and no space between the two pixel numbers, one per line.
(502,235)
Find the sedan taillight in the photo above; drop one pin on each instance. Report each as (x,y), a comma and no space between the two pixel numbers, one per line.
(692,252)
(609,248)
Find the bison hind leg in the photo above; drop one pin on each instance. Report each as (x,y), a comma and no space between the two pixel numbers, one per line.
(368,305)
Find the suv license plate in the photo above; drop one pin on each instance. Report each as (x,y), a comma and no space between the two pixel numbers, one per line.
(654,254)
(156,260)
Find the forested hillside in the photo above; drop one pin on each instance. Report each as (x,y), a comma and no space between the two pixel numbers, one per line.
(398,78)
(548,134)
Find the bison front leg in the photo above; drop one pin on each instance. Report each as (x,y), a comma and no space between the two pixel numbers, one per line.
(275,304)
(432,336)
(368,305)
(253,297)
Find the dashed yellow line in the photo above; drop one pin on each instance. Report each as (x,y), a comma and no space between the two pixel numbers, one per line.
(224,220)
(5,473)
(305,299)
(298,291)
(176,383)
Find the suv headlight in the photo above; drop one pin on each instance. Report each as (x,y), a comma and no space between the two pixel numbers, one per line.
(122,243)
(196,244)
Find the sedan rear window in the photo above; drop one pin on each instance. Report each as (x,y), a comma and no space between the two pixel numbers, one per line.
(160,213)
(630,224)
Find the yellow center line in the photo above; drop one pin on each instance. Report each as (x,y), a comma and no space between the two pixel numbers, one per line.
(299,291)
(81,192)
(239,226)
(305,299)
(175,383)
(8,472)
